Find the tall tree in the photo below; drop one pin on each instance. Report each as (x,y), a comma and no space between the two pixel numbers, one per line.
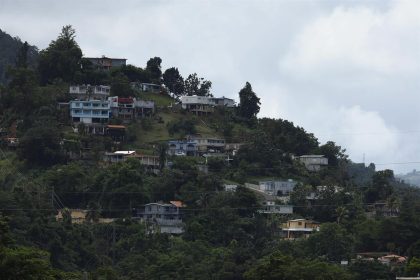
(154,68)
(174,81)
(249,103)
(197,86)
(62,58)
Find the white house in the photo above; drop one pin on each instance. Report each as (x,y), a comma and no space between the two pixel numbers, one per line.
(313,162)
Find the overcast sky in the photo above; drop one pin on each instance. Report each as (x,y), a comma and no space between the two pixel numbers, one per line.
(348,71)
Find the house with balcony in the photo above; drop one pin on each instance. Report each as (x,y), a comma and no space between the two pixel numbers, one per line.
(277,187)
(163,217)
(208,145)
(106,63)
(199,105)
(299,228)
(122,108)
(182,148)
(89,92)
(94,114)
(313,162)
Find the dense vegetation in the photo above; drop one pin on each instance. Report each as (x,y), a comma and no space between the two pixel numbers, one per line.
(225,236)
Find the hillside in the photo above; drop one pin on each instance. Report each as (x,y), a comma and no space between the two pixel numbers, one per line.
(114,171)
(9,47)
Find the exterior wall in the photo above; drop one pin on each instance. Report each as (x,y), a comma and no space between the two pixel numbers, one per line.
(106,63)
(86,92)
(146,87)
(224,102)
(92,111)
(313,162)
(279,188)
(177,147)
(166,216)
(208,145)
(277,209)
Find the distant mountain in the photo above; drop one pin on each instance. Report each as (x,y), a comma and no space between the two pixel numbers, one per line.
(9,47)
(412,178)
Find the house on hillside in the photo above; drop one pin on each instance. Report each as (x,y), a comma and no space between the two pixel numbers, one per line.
(162,217)
(182,148)
(106,63)
(150,162)
(122,108)
(299,228)
(79,216)
(207,145)
(199,105)
(118,156)
(223,102)
(129,108)
(146,87)
(95,114)
(382,209)
(277,187)
(272,207)
(313,162)
(89,92)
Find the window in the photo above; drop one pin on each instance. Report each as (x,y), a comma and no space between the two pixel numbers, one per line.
(299,223)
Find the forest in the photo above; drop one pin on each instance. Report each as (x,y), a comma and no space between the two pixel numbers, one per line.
(225,233)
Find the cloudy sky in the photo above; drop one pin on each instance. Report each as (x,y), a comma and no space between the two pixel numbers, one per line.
(348,71)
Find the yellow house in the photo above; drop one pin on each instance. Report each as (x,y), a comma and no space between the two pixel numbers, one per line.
(299,228)
(78,216)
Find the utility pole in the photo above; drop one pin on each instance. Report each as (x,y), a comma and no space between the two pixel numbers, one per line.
(113,244)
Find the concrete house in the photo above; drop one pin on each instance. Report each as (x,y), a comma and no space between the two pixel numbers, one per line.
(313,162)
(299,228)
(118,156)
(122,108)
(223,102)
(199,105)
(89,92)
(167,217)
(182,148)
(277,187)
(90,111)
(146,87)
(207,145)
(202,105)
(272,207)
(106,63)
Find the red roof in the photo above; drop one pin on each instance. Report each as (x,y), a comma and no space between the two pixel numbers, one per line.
(125,100)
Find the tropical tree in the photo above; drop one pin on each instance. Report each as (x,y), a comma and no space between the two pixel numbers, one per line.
(154,68)
(61,59)
(174,81)
(197,86)
(249,103)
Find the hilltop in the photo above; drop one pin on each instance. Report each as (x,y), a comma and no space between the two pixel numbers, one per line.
(9,47)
